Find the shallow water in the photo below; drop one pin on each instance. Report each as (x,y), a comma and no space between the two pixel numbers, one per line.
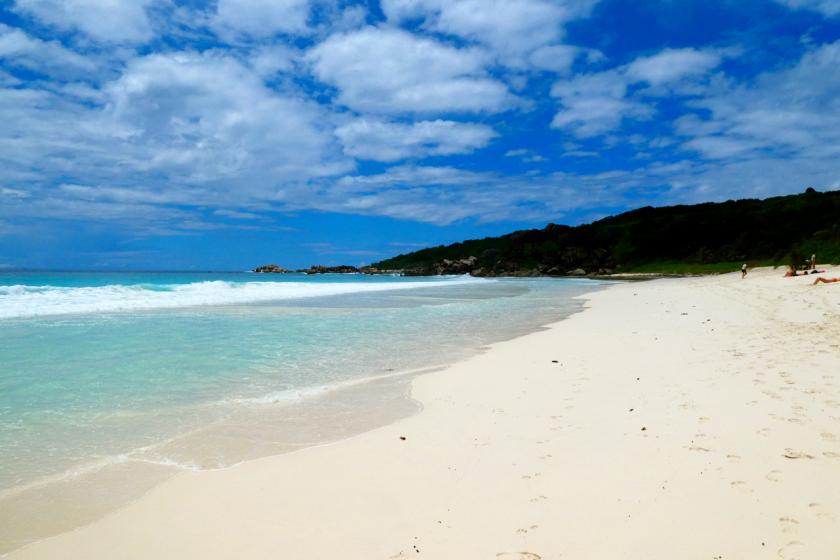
(200,370)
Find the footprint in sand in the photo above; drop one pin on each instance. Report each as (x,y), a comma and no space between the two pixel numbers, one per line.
(519,555)
(733,457)
(698,448)
(828,436)
(796,454)
(741,486)
(539,498)
(819,511)
(774,476)
(788,524)
(831,454)
(789,551)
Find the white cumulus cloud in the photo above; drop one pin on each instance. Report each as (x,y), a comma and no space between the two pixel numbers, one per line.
(118,21)
(208,117)
(50,57)
(384,70)
(181,128)
(560,58)
(261,18)
(792,112)
(595,103)
(598,103)
(511,28)
(672,64)
(827,7)
(378,140)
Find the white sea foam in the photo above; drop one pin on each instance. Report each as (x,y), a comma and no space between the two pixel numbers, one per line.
(289,396)
(277,397)
(31,301)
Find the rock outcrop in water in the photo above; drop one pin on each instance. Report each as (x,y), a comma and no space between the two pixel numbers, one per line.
(273,268)
(320,269)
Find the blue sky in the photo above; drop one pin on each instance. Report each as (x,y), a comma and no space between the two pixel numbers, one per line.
(181,134)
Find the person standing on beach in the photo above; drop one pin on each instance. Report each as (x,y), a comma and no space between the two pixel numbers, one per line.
(813,261)
(743,271)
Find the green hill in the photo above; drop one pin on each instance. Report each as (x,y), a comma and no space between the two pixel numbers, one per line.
(707,237)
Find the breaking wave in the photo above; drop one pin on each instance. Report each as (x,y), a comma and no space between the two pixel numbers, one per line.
(30,301)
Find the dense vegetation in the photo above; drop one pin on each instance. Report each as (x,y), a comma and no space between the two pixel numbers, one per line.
(709,237)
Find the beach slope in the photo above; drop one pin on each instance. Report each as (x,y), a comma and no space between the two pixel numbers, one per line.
(677,418)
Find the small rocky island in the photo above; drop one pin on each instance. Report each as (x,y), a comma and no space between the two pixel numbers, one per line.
(273,268)
(340,269)
(317,269)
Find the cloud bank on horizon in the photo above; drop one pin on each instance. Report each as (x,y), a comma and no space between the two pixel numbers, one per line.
(128,122)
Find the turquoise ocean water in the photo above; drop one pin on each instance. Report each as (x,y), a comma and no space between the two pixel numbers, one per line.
(95,366)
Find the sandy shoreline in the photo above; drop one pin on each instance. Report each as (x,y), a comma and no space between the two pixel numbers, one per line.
(690,418)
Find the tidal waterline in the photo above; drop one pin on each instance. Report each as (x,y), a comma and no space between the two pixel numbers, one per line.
(108,378)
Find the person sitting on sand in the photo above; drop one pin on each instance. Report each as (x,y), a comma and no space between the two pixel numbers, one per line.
(792,272)
(822,280)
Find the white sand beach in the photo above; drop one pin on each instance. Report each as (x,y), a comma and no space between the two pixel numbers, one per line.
(676,418)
